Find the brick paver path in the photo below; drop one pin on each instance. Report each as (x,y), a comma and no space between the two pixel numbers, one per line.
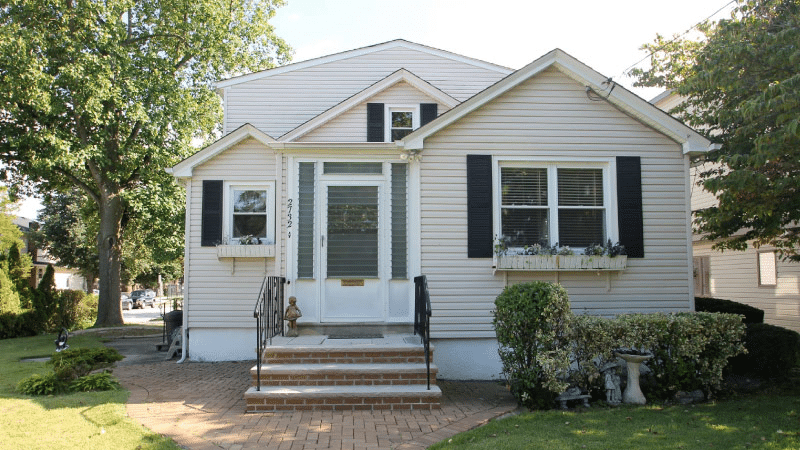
(201,406)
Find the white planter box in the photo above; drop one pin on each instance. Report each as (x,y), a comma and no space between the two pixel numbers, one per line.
(560,262)
(245,251)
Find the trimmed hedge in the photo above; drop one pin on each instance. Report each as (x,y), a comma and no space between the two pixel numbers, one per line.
(771,352)
(751,314)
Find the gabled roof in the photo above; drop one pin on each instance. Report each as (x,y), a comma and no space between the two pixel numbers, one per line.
(628,102)
(358,52)
(185,167)
(396,77)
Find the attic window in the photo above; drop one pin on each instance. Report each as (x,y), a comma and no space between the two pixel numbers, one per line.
(401,121)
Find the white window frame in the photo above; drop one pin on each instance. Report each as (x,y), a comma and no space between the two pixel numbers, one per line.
(387,118)
(770,278)
(607,165)
(227,219)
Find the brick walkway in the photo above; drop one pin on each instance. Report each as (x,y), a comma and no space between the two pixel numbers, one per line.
(201,406)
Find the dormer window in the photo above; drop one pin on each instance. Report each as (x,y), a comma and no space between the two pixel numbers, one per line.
(401,121)
(389,123)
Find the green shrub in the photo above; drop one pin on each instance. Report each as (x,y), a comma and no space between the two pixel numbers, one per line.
(37,384)
(751,314)
(75,363)
(690,350)
(532,322)
(102,381)
(771,351)
(76,309)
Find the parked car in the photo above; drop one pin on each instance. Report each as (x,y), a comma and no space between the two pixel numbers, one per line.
(125,297)
(143,297)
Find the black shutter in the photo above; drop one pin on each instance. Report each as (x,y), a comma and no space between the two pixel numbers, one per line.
(427,112)
(375,122)
(479,206)
(629,205)
(211,222)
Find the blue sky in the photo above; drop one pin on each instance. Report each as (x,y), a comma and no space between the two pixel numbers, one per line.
(604,35)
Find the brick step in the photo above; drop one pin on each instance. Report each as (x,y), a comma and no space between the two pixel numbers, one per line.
(345,355)
(343,374)
(342,398)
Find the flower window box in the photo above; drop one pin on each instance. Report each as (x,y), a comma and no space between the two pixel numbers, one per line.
(561,262)
(245,251)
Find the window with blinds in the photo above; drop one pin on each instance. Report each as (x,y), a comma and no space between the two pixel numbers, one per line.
(525,212)
(533,198)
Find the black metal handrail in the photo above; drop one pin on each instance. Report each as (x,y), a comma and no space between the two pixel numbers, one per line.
(269,317)
(422,318)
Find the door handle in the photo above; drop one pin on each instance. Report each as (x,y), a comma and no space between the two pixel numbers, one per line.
(322,240)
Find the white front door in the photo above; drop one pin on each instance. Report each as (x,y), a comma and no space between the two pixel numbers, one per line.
(351,249)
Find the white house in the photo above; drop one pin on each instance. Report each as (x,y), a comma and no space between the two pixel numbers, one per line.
(756,276)
(361,170)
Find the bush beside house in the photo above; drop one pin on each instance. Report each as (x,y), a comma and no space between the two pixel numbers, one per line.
(536,331)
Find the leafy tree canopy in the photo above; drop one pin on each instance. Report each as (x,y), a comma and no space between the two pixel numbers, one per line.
(103,95)
(741,85)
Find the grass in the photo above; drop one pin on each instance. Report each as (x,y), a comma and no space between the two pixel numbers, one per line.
(86,421)
(764,421)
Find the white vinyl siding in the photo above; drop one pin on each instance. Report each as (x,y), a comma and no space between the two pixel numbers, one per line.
(735,276)
(550,117)
(351,126)
(298,96)
(222,292)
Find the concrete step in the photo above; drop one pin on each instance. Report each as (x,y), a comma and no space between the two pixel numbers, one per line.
(342,398)
(321,350)
(343,374)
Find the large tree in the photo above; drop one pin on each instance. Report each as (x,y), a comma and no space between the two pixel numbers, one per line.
(103,95)
(741,85)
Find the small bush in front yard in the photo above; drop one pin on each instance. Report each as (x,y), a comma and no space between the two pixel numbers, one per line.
(771,351)
(532,321)
(690,350)
(72,372)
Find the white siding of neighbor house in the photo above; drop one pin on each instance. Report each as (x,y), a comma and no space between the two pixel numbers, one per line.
(550,116)
(734,276)
(279,103)
(351,126)
(222,295)
(701,198)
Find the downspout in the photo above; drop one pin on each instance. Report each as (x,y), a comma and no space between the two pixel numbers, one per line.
(186,284)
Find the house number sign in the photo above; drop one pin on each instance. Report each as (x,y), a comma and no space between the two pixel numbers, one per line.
(352,282)
(288,218)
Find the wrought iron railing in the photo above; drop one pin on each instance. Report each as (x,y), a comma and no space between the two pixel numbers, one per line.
(422,318)
(269,317)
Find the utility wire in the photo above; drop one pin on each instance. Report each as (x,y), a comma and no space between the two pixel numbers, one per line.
(624,72)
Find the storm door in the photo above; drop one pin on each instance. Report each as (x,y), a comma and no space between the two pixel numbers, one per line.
(350,249)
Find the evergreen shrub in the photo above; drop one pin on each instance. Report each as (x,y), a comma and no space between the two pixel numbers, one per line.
(771,352)
(532,322)
(751,314)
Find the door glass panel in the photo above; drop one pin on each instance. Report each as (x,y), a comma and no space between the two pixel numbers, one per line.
(352,231)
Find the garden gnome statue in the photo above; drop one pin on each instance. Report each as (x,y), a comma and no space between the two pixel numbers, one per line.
(613,391)
(292,314)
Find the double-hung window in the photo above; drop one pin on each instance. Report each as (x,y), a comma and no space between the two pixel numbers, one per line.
(554,203)
(251,214)
(401,121)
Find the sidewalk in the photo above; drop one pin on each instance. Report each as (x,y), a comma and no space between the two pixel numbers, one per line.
(201,406)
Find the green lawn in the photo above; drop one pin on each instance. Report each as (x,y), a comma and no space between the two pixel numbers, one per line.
(93,420)
(768,421)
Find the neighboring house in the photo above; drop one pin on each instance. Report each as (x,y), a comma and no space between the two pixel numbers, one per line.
(65,278)
(361,170)
(756,276)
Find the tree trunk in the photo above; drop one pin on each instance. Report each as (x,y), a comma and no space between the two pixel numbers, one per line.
(109,310)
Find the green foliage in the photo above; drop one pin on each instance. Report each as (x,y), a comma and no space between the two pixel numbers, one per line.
(751,313)
(45,303)
(37,384)
(102,381)
(76,309)
(10,234)
(9,297)
(690,350)
(771,351)
(117,91)
(741,85)
(74,363)
(532,322)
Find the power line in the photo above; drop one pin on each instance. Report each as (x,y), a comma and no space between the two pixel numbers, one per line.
(677,37)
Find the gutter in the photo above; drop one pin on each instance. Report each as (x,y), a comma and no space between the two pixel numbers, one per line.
(184,328)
